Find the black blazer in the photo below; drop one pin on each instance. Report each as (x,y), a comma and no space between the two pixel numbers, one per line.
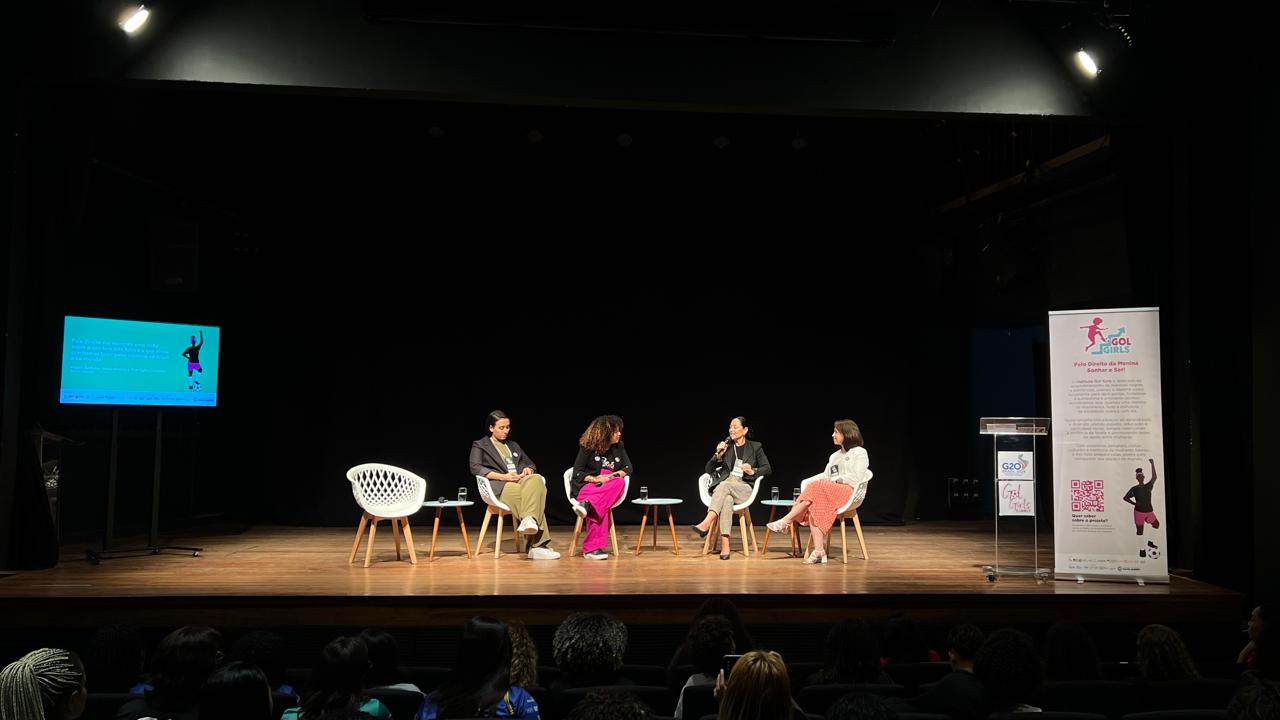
(751,453)
(590,463)
(485,459)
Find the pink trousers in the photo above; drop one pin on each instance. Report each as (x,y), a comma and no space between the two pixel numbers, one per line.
(602,498)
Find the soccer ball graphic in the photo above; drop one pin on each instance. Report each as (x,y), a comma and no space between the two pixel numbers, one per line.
(1153,554)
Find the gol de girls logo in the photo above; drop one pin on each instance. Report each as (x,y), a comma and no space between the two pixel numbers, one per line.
(1102,342)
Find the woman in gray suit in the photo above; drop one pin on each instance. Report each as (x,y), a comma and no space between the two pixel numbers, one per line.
(733,468)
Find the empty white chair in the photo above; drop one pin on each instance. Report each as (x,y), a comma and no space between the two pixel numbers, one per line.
(577,528)
(848,511)
(746,529)
(385,492)
(494,506)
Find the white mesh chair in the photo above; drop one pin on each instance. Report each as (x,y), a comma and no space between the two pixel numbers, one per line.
(746,530)
(849,511)
(494,506)
(385,492)
(577,528)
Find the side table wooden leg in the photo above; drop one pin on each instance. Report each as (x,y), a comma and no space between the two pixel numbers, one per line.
(644,519)
(435,533)
(671,520)
(773,511)
(462,525)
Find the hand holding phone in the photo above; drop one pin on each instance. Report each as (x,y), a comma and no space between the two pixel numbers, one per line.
(727,663)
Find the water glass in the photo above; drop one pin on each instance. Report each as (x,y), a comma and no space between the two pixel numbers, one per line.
(462,494)
(773,493)
(644,493)
(795,494)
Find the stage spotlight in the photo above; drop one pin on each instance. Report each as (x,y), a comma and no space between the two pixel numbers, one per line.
(132,20)
(1101,45)
(624,140)
(799,143)
(1086,65)
(721,142)
(535,136)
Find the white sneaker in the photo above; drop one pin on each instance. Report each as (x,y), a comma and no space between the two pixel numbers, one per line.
(543,553)
(578,508)
(597,555)
(528,526)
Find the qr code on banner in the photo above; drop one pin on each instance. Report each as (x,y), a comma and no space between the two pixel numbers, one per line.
(1086,496)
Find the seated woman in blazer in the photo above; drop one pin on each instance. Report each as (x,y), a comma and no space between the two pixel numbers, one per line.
(512,475)
(733,469)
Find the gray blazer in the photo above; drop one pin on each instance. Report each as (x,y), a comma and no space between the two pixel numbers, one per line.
(485,459)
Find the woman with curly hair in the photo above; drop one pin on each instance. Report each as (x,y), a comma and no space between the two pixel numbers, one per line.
(524,656)
(597,480)
(1162,657)
(847,474)
(588,649)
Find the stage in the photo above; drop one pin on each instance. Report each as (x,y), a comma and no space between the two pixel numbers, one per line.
(294,576)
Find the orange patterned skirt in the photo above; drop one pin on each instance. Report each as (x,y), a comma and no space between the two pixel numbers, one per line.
(825,497)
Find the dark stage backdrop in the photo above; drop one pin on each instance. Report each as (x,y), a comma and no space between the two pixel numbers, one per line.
(377,300)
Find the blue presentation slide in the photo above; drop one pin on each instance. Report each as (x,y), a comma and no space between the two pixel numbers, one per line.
(126,362)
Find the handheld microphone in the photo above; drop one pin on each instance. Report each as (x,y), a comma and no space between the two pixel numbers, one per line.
(720,452)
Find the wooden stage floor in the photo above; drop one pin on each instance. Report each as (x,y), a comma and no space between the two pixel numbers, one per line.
(284,576)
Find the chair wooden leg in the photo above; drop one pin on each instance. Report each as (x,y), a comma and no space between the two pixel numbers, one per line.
(613,533)
(368,550)
(515,532)
(355,547)
(742,534)
(751,533)
(713,532)
(395,535)
(408,541)
(577,530)
(655,527)
(497,544)
(844,543)
(857,527)
(484,529)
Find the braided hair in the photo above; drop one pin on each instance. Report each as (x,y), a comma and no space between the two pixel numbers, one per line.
(39,685)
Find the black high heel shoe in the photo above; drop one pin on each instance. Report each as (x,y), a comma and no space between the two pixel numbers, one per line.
(698,531)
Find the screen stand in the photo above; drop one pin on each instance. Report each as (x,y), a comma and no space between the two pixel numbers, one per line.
(153,546)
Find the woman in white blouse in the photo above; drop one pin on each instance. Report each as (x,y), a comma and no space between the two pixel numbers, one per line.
(847,474)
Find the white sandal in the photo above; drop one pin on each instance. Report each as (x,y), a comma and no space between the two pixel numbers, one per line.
(778,526)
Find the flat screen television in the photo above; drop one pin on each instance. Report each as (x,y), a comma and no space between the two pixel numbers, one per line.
(128,362)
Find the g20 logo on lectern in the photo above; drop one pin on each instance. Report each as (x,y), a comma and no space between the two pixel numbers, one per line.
(1015,465)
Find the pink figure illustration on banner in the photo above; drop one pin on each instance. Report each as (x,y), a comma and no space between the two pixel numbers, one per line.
(1095,332)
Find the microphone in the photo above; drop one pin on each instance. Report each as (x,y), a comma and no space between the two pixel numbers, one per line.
(720,452)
